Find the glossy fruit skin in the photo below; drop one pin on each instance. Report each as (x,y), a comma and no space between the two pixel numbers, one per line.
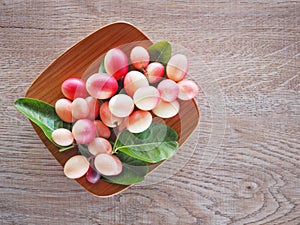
(76,167)
(155,72)
(108,118)
(62,137)
(139,121)
(139,57)
(168,90)
(188,89)
(134,80)
(166,109)
(101,86)
(80,108)
(63,108)
(101,129)
(116,63)
(74,88)
(92,175)
(84,131)
(146,98)
(107,164)
(121,105)
(99,145)
(94,107)
(177,67)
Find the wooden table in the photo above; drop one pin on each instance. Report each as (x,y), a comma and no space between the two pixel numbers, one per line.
(241,166)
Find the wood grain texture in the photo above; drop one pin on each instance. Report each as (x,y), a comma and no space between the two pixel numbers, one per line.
(241,166)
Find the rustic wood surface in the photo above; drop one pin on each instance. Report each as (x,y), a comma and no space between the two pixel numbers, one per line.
(241,166)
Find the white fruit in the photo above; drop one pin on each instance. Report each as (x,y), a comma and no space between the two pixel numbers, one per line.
(108,165)
(121,105)
(99,145)
(139,121)
(166,109)
(62,136)
(146,98)
(76,166)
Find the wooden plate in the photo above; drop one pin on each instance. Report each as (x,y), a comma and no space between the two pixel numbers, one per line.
(82,60)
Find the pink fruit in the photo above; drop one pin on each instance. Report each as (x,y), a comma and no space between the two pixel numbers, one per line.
(146,98)
(139,121)
(134,80)
(155,72)
(108,118)
(74,88)
(62,136)
(84,131)
(139,57)
(101,85)
(116,63)
(108,165)
(166,109)
(80,108)
(76,166)
(168,90)
(99,145)
(101,129)
(121,105)
(63,108)
(94,107)
(177,67)
(188,89)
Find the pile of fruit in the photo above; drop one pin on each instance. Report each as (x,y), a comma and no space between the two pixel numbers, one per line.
(125,95)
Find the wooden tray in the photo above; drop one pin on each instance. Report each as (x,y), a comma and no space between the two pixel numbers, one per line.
(82,60)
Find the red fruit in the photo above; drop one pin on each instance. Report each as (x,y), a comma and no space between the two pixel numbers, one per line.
(74,88)
(101,85)
(116,63)
(102,129)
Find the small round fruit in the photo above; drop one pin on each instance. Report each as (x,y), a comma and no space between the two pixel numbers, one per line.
(80,108)
(62,137)
(139,121)
(177,67)
(139,57)
(108,165)
(74,88)
(168,90)
(146,98)
(108,118)
(94,107)
(76,167)
(121,105)
(63,108)
(99,145)
(84,131)
(155,72)
(188,89)
(166,109)
(133,81)
(101,86)
(101,129)
(116,63)
(92,175)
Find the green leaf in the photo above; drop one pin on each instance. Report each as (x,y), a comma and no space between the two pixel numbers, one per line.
(157,143)
(133,171)
(42,114)
(160,52)
(102,68)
